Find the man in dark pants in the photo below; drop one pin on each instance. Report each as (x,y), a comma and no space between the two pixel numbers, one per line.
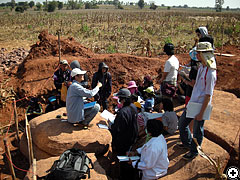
(124,132)
(106,79)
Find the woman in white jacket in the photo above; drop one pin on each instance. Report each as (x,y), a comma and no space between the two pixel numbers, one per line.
(154,155)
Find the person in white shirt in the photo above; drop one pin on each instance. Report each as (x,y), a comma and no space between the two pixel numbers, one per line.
(202,93)
(170,71)
(154,155)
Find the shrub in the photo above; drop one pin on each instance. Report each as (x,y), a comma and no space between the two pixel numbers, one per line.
(51,6)
(60,5)
(91,5)
(19,9)
(39,6)
(141,3)
(153,6)
(31,4)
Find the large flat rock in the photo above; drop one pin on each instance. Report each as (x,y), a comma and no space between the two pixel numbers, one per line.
(98,173)
(37,153)
(198,168)
(54,135)
(225,121)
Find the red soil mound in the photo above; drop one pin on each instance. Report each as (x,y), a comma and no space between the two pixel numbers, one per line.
(33,77)
(48,46)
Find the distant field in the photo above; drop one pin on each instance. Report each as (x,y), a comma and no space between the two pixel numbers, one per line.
(124,31)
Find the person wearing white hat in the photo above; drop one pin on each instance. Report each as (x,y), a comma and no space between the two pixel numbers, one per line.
(202,94)
(61,75)
(75,105)
(62,80)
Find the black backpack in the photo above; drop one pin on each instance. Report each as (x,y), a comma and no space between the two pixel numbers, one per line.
(73,164)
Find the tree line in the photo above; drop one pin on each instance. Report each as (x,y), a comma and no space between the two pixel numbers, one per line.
(51,6)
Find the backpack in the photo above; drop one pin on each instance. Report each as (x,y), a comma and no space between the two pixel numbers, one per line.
(73,164)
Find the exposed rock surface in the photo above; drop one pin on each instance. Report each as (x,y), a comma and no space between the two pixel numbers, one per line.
(54,136)
(225,121)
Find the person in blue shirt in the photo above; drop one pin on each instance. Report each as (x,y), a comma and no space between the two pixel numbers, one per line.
(75,105)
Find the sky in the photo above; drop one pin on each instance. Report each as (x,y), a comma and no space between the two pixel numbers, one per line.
(190,3)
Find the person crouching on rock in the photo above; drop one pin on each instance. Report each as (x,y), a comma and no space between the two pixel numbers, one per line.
(75,105)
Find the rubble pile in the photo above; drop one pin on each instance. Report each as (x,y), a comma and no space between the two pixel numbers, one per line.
(11,59)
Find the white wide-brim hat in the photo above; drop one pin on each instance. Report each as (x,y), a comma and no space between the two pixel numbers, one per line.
(204,47)
(77,71)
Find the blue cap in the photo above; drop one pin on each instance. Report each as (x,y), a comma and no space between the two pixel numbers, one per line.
(52,98)
(148,104)
(193,54)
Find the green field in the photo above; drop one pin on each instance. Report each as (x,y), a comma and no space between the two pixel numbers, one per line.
(109,30)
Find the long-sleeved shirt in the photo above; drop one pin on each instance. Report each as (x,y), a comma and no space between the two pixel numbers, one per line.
(60,77)
(74,102)
(154,158)
(124,130)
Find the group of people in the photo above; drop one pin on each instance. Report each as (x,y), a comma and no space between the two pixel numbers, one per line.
(136,104)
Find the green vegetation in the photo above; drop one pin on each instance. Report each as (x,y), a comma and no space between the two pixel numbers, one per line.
(141,3)
(112,30)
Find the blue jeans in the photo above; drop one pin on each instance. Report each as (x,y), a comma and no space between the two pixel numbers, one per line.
(90,113)
(185,133)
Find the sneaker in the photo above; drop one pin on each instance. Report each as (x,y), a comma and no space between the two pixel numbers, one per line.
(189,156)
(182,146)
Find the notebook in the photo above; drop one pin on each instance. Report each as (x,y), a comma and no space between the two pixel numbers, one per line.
(126,158)
(108,116)
(194,108)
(89,105)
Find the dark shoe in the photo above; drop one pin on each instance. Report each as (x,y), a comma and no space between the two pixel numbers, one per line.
(189,156)
(182,146)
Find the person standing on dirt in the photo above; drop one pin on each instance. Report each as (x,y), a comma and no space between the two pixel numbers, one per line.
(75,64)
(202,94)
(203,36)
(194,63)
(62,80)
(124,131)
(168,80)
(62,75)
(75,105)
(103,76)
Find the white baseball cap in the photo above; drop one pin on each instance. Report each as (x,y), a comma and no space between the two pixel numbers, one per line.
(64,62)
(77,71)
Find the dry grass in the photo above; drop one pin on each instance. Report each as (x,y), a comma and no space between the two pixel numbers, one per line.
(124,31)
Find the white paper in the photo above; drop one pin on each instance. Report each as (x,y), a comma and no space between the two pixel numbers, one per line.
(103,126)
(194,108)
(108,116)
(126,158)
(153,115)
(140,100)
